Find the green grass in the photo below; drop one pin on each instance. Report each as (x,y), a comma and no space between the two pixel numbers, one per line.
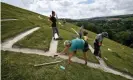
(19,66)
(26,20)
(12,28)
(39,40)
(67,26)
(121,56)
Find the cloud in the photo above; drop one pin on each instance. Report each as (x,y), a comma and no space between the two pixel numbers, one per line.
(77,9)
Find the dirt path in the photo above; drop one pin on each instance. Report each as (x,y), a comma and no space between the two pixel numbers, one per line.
(53,47)
(10,42)
(7,46)
(8,19)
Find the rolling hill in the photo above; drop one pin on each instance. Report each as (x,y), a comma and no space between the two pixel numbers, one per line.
(18,66)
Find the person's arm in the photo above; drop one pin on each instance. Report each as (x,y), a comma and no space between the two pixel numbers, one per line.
(85,38)
(100,41)
(50,17)
(65,49)
(56,17)
(50,20)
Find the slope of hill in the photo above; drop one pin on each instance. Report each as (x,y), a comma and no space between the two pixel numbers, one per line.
(120,28)
(18,66)
(13,62)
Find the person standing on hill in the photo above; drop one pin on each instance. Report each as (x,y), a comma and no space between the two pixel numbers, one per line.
(54,27)
(98,43)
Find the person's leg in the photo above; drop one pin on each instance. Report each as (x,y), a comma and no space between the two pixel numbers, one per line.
(53,31)
(95,49)
(99,51)
(70,56)
(86,48)
(56,29)
(85,57)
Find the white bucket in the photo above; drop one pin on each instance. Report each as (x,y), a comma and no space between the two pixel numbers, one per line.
(56,36)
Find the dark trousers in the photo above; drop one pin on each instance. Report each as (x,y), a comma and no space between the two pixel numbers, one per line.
(97,49)
(86,47)
(80,35)
(55,30)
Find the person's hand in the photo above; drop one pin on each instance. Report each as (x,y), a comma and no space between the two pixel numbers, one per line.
(100,44)
(55,55)
(62,53)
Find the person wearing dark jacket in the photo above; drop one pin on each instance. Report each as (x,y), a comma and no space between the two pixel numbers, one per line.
(54,27)
(98,43)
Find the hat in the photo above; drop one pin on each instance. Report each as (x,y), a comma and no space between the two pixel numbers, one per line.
(105,34)
(67,42)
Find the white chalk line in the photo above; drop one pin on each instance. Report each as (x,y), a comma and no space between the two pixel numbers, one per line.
(7,46)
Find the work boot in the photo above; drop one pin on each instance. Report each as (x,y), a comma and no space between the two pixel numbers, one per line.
(86,63)
(99,55)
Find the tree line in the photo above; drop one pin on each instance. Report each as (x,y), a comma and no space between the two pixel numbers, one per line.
(119,30)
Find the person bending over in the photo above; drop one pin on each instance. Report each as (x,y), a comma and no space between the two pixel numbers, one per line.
(98,42)
(73,46)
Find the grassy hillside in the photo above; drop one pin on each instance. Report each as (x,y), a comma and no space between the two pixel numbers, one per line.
(41,38)
(16,12)
(120,28)
(26,20)
(16,66)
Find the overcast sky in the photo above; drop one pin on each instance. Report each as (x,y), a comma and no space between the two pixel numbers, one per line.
(76,9)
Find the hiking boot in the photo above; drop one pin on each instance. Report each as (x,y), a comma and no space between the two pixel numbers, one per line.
(96,54)
(99,55)
(85,63)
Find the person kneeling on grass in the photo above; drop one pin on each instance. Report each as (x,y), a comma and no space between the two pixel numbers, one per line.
(98,43)
(73,46)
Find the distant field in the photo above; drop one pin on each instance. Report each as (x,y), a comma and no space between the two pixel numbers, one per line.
(128,19)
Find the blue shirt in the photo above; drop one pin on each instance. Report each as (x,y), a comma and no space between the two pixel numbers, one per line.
(77,44)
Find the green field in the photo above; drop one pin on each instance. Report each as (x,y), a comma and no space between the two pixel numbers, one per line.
(11,28)
(15,67)
(39,39)
(18,66)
